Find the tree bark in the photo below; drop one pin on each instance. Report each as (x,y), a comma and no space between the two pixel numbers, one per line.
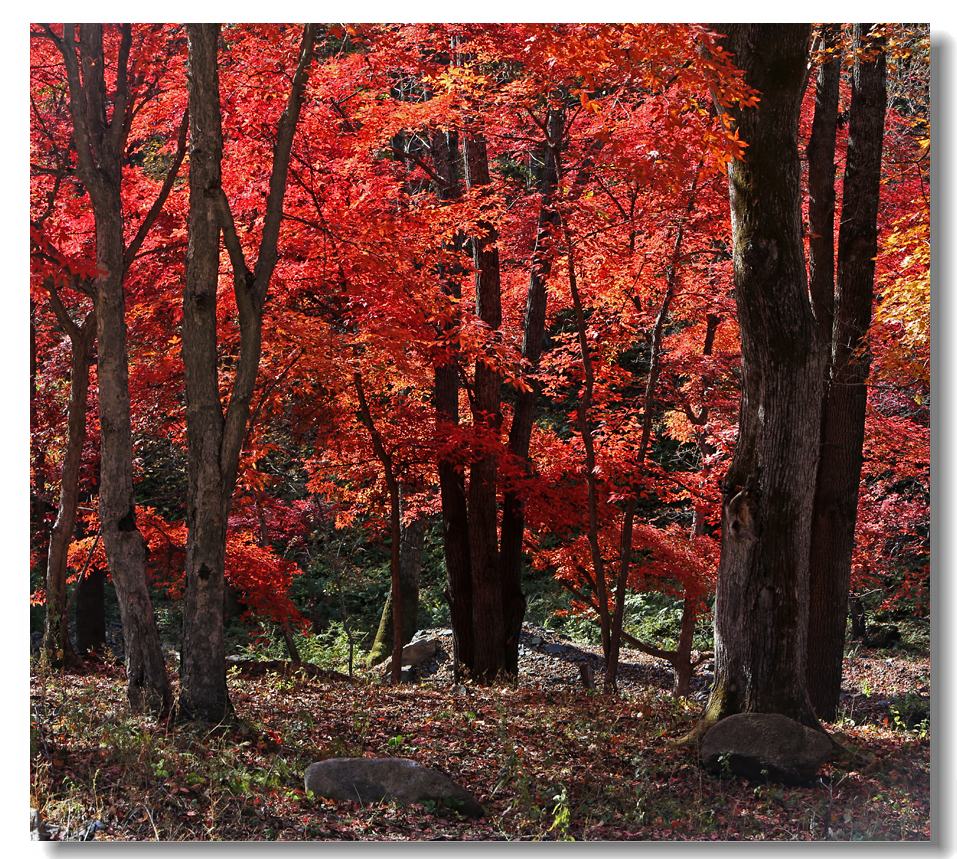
(57,648)
(100,149)
(845,398)
(520,433)
(683,665)
(395,527)
(215,438)
(488,620)
(91,612)
(761,609)
(455,525)
(203,694)
(411,540)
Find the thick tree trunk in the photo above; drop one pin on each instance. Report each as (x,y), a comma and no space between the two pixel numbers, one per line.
(761,609)
(215,438)
(91,612)
(455,526)
(100,149)
(845,402)
(125,547)
(488,619)
(57,649)
(520,434)
(411,541)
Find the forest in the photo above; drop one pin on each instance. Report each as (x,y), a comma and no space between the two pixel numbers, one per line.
(480,432)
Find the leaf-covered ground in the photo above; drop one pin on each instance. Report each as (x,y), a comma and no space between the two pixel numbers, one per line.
(548,763)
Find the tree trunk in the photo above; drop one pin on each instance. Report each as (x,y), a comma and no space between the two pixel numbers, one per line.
(125,547)
(100,150)
(488,620)
(761,610)
(591,471)
(682,663)
(203,694)
(215,440)
(845,400)
(57,649)
(455,526)
(411,540)
(520,434)
(395,527)
(91,612)
(647,415)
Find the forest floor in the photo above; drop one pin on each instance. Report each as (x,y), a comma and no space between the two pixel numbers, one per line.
(548,758)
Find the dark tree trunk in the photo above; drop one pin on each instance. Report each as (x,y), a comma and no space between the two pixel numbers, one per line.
(100,149)
(488,620)
(91,612)
(845,401)
(761,609)
(57,649)
(215,439)
(683,665)
(455,526)
(203,693)
(412,538)
(520,434)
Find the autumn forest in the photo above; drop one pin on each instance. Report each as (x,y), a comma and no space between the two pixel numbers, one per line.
(480,431)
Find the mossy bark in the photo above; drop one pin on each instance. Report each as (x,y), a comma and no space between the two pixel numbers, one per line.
(761,608)
(410,565)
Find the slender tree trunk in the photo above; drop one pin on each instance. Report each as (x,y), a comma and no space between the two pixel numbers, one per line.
(455,525)
(526,402)
(682,664)
(100,149)
(845,403)
(648,411)
(591,479)
(57,648)
(761,610)
(395,526)
(411,540)
(488,619)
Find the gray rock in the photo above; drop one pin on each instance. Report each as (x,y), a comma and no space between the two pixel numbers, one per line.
(394,779)
(39,831)
(414,654)
(765,746)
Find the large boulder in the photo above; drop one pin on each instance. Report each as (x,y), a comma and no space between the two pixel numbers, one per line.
(765,747)
(394,779)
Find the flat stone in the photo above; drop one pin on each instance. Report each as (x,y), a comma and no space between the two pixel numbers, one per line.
(399,780)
